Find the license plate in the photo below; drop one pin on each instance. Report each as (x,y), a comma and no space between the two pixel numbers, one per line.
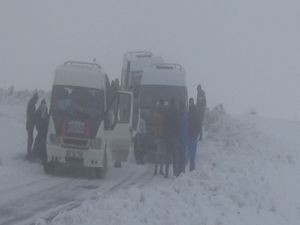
(75,154)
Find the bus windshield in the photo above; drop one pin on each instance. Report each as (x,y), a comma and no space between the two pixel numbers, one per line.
(77,105)
(150,95)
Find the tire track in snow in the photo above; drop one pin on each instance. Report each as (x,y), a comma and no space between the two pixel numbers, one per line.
(47,202)
(127,182)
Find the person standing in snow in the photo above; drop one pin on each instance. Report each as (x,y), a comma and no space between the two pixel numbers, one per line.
(140,141)
(171,133)
(193,132)
(42,119)
(183,138)
(201,106)
(158,133)
(30,123)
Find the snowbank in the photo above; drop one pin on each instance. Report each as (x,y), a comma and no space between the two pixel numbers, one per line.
(245,175)
(14,171)
(20,97)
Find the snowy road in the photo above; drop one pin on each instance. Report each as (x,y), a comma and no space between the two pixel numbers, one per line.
(247,173)
(46,196)
(26,193)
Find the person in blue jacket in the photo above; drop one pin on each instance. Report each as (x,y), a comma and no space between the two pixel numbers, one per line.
(183,139)
(193,132)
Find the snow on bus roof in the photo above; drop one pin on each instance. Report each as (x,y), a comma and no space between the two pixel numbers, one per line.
(164,74)
(80,74)
(138,54)
(140,63)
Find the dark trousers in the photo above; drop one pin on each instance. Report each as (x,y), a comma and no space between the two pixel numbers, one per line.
(29,141)
(172,146)
(39,149)
(200,132)
(192,146)
(180,158)
(201,117)
(159,155)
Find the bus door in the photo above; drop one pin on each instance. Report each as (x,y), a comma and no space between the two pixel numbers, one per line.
(119,126)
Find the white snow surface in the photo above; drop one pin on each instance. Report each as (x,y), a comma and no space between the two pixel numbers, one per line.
(247,173)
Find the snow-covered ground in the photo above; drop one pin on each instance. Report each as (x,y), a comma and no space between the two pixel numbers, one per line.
(26,193)
(247,173)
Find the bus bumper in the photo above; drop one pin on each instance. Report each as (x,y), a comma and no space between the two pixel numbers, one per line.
(75,157)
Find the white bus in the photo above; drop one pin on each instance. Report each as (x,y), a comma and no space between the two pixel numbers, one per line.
(133,65)
(159,83)
(89,125)
(132,69)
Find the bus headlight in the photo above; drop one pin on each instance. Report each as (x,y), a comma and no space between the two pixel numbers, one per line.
(96,143)
(54,139)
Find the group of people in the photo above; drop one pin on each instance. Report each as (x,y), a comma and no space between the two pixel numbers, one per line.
(176,131)
(36,118)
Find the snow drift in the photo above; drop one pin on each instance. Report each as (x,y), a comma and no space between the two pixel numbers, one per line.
(11,96)
(247,173)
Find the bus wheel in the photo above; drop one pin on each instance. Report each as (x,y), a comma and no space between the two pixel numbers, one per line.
(49,167)
(118,165)
(101,172)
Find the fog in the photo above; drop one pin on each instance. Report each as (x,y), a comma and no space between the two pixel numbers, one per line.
(244,53)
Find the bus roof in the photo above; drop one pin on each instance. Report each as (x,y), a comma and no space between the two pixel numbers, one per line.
(140,63)
(139,59)
(80,74)
(164,74)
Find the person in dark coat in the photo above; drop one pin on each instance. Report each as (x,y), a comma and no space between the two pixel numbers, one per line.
(42,119)
(30,122)
(171,134)
(183,139)
(201,106)
(193,132)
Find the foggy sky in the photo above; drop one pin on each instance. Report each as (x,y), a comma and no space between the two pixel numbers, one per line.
(245,53)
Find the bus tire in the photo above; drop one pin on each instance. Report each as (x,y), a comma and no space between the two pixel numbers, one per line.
(117,164)
(101,172)
(49,167)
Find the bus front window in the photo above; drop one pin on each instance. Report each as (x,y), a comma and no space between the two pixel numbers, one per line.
(77,104)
